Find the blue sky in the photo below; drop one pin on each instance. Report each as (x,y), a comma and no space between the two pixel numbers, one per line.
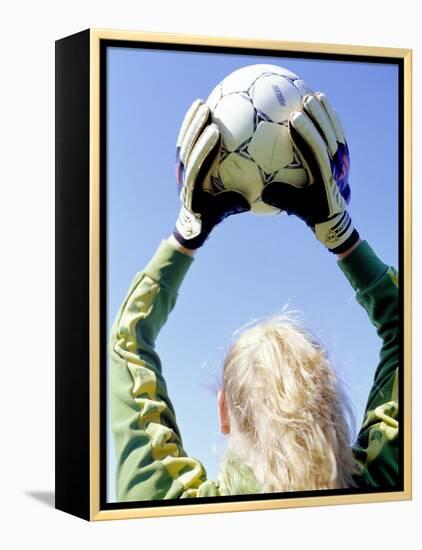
(251,266)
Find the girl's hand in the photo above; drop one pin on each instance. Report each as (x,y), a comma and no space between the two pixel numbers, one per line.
(319,142)
(198,149)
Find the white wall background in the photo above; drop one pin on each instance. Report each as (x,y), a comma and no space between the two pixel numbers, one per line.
(27,37)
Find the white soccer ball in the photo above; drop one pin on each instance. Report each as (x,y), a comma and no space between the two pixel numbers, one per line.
(251,107)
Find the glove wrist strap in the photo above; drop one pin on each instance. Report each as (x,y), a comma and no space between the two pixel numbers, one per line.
(191,244)
(338,233)
(189,229)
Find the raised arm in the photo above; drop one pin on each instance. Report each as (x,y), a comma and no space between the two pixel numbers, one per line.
(151,461)
(150,456)
(377,445)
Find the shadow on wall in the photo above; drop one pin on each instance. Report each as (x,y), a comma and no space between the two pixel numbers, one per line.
(45,497)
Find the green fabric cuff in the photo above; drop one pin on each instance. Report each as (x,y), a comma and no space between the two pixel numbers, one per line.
(362,267)
(168,266)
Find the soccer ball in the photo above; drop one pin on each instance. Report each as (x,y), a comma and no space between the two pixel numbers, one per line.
(251,107)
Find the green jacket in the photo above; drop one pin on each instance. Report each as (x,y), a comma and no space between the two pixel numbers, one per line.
(151,461)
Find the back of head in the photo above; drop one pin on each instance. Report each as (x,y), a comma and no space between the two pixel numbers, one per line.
(287,419)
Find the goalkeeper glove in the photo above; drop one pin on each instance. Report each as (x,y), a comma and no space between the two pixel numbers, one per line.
(318,140)
(198,149)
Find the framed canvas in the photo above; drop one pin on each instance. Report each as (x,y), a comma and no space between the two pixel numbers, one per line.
(206,364)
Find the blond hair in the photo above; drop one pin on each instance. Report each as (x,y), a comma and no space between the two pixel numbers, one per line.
(286,410)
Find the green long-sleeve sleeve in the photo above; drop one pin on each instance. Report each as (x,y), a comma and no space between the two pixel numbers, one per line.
(151,461)
(377,445)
